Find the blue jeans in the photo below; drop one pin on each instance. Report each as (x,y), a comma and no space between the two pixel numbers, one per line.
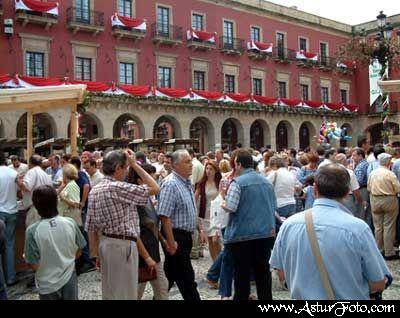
(226,275)
(287,210)
(214,272)
(10,220)
(3,294)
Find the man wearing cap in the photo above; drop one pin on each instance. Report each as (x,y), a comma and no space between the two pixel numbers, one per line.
(384,187)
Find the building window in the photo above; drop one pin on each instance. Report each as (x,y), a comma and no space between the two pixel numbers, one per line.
(126,73)
(325,94)
(198,22)
(303,44)
(280,43)
(343,96)
(83,69)
(324,53)
(165,77)
(125,8)
(35,64)
(163,21)
(257,86)
(83,11)
(255,34)
(282,89)
(304,92)
(228,34)
(229,84)
(199,80)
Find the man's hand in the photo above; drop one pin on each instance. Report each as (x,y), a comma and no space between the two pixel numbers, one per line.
(215,238)
(151,264)
(172,248)
(203,237)
(131,157)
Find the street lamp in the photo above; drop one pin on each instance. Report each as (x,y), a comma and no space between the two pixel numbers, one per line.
(381,19)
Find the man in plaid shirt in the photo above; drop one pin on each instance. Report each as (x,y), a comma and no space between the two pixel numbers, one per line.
(112,213)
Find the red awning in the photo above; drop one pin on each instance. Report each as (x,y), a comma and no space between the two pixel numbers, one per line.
(37,6)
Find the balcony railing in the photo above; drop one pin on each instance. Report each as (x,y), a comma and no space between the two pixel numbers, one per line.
(231,46)
(166,34)
(85,20)
(39,18)
(126,32)
(326,62)
(284,55)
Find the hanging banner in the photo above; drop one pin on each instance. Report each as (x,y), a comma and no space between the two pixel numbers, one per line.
(374,77)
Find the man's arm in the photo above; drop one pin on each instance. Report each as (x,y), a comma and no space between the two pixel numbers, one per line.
(85,194)
(172,246)
(375,287)
(232,199)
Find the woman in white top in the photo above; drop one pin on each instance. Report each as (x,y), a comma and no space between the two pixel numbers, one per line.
(284,184)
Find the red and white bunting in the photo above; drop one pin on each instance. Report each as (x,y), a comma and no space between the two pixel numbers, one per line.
(137,24)
(37,6)
(346,64)
(260,47)
(303,55)
(202,36)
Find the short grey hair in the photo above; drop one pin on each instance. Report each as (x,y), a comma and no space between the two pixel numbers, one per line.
(341,158)
(384,160)
(177,156)
(113,159)
(277,161)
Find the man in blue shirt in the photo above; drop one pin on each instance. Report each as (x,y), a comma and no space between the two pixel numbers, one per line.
(249,235)
(352,259)
(55,171)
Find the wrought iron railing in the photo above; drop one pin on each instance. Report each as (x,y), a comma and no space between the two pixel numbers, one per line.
(89,17)
(166,31)
(283,53)
(231,44)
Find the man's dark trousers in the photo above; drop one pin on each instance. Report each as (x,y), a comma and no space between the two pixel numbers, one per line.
(252,257)
(178,268)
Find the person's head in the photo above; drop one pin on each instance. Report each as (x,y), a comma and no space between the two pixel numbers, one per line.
(309,181)
(243,161)
(321,151)
(313,157)
(211,170)
(133,176)
(54,161)
(86,156)
(303,159)
(3,160)
(15,161)
(91,167)
(141,157)
(182,163)
(204,160)
(397,152)
(168,161)
(267,156)
(277,162)
(191,153)
(76,161)
(219,155)
(358,155)
(332,182)
(341,150)
(292,153)
(35,161)
(384,160)
(330,154)
(69,173)
(115,165)
(224,166)
(160,158)
(211,155)
(341,158)
(97,155)
(45,201)
(65,159)
(362,142)
(378,149)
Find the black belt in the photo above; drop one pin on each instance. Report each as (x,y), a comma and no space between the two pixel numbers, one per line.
(121,237)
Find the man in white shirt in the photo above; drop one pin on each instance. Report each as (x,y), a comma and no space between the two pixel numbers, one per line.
(33,179)
(197,170)
(160,163)
(8,214)
(18,166)
(95,175)
(329,158)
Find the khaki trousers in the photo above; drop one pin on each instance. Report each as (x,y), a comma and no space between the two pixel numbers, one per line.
(119,269)
(384,214)
(159,285)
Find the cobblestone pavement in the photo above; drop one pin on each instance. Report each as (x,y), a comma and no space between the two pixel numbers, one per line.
(90,285)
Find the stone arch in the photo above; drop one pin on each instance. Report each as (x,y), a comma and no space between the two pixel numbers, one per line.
(284,136)
(90,126)
(128,126)
(375,132)
(44,127)
(202,129)
(232,133)
(307,133)
(260,135)
(167,127)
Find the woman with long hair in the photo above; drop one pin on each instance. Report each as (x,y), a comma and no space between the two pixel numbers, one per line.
(206,191)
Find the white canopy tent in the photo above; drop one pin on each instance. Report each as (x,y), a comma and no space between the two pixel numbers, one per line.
(41,99)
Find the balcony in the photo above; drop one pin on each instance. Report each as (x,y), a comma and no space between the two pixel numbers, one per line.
(165,34)
(39,18)
(121,32)
(231,46)
(283,55)
(326,64)
(85,21)
(201,40)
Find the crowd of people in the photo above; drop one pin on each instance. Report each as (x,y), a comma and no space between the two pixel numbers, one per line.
(325,220)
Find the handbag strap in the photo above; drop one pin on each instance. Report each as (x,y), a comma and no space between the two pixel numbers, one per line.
(317,255)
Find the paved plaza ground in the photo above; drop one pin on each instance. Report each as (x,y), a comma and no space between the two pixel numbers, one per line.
(90,285)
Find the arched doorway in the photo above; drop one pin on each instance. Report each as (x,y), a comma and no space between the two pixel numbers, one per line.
(202,129)
(128,126)
(89,127)
(375,132)
(284,136)
(231,133)
(259,134)
(304,135)
(43,127)
(167,127)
